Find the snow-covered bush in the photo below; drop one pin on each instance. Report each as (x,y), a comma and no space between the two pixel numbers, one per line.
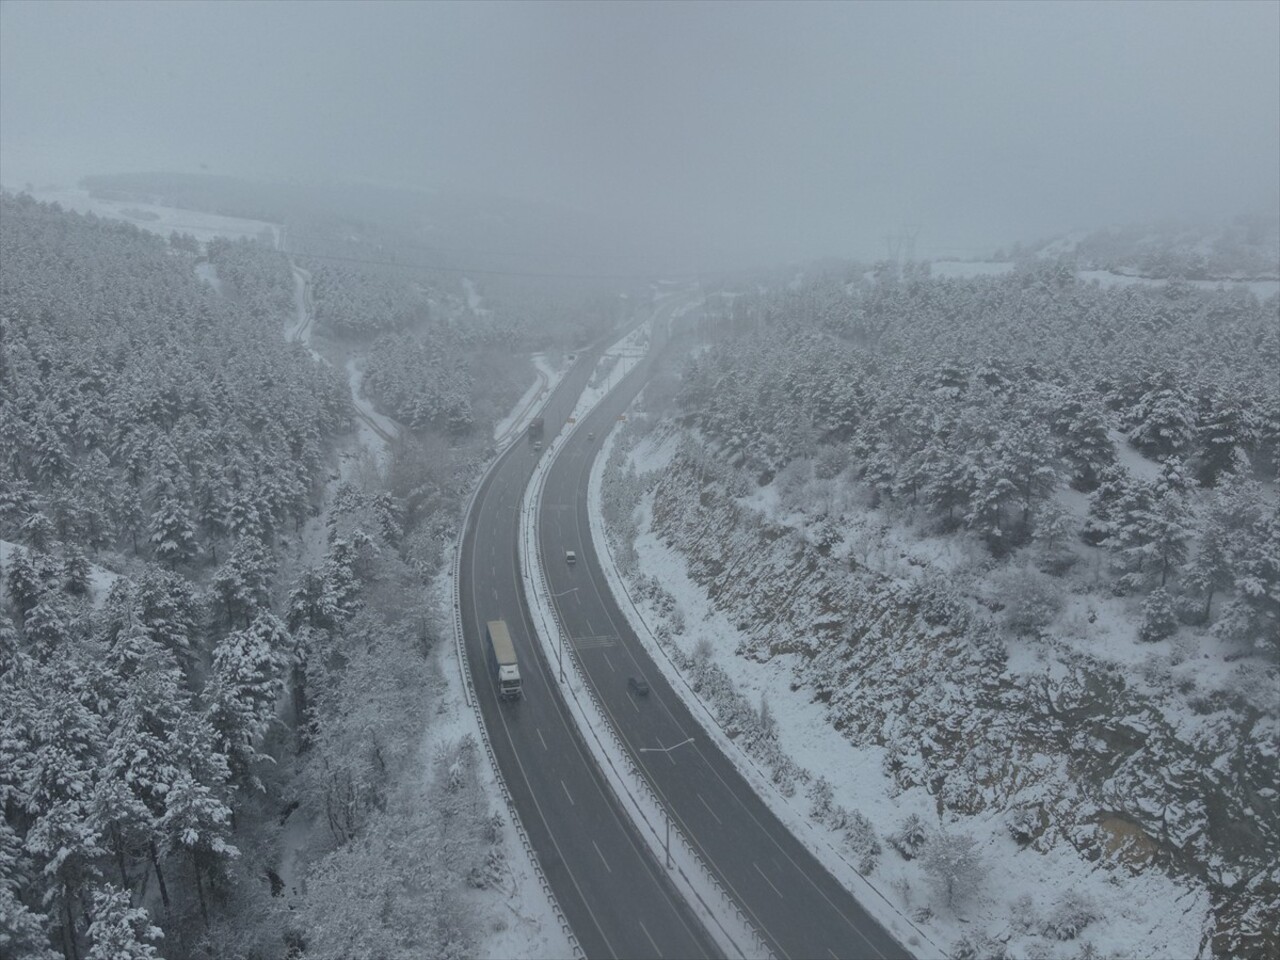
(937,601)
(702,650)
(831,461)
(1073,913)
(910,837)
(1025,825)
(1054,528)
(1023,915)
(861,839)
(953,865)
(820,797)
(979,946)
(1031,599)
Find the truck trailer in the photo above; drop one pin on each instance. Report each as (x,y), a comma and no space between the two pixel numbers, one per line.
(502,659)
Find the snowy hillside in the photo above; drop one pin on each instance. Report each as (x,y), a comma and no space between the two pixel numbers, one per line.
(1060,648)
(1244,248)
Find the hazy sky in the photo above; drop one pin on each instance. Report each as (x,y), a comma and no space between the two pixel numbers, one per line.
(784,130)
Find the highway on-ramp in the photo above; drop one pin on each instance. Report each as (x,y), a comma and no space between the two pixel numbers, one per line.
(616,896)
(799,909)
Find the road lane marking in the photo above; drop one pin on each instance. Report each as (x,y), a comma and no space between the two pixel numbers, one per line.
(588,642)
(544,742)
(567,794)
(767,880)
(708,806)
(606,862)
(607,660)
(656,948)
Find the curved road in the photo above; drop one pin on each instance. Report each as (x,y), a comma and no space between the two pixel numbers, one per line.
(617,898)
(795,904)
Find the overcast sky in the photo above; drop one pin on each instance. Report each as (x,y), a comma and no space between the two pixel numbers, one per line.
(784,130)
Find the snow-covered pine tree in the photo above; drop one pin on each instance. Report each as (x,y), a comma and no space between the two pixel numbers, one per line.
(173,534)
(249,667)
(1164,419)
(118,930)
(1159,620)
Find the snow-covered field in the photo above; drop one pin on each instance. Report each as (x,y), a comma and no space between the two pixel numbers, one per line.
(990,268)
(1260,288)
(160,219)
(1144,915)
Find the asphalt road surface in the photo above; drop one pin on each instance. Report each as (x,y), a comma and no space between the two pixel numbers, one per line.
(795,904)
(616,896)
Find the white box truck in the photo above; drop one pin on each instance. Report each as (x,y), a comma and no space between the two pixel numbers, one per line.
(502,659)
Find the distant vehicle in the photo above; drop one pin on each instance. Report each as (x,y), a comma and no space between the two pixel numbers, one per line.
(638,685)
(537,445)
(536,426)
(501,654)
(570,557)
(590,437)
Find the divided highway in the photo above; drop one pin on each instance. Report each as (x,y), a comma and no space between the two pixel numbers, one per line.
(800,910)
(617,898)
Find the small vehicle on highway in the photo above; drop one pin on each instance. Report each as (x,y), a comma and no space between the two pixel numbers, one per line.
(638,685)
(570,557)
(590,437)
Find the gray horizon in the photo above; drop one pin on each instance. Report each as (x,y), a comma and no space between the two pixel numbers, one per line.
(764,132)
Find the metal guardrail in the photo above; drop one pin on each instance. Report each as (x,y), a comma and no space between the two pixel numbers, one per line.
(632,775)
(763,777)
(534,573)
(464,666)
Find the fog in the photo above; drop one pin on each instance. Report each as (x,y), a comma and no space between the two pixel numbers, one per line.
(743,131)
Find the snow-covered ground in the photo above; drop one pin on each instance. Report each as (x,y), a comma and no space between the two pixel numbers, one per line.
(1147,915)
(301,327)
(992,268)
(1262,289)
(376,431)
(160,219)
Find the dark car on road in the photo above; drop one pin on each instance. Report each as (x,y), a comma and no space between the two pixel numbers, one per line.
(638,685)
